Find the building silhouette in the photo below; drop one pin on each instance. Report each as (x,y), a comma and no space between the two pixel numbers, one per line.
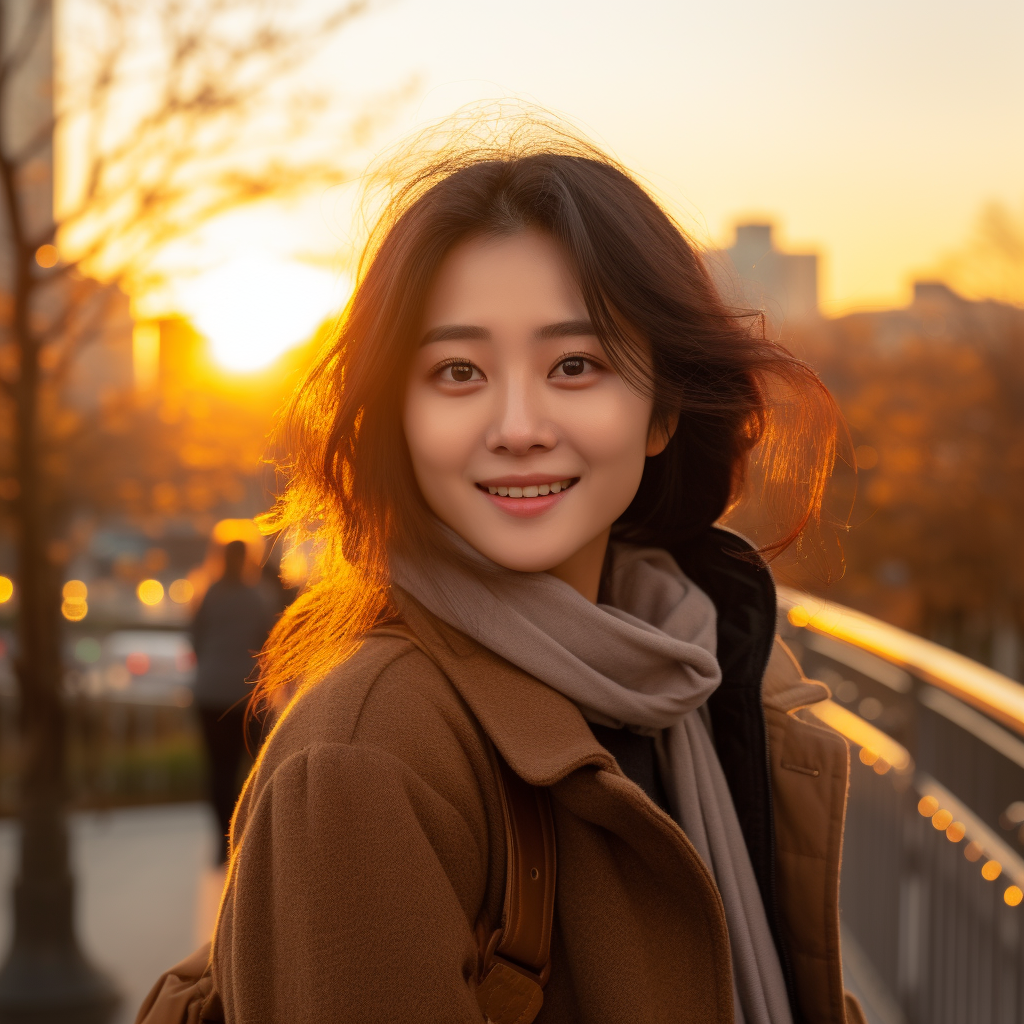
(753,274)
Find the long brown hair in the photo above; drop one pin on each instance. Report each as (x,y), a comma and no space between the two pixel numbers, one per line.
(351,484)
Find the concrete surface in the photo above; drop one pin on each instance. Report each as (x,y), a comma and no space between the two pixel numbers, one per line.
(146,890)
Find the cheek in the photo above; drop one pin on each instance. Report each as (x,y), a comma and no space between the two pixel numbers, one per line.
(613,438)
(438,436)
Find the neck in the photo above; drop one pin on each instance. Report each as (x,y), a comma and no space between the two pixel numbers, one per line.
(582,571)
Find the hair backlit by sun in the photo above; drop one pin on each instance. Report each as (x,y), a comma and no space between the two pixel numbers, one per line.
(255,307)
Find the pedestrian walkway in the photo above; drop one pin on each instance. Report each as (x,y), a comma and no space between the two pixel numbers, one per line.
(146,891)
(148,895)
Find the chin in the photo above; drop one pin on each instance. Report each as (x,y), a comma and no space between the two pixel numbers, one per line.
(522,555)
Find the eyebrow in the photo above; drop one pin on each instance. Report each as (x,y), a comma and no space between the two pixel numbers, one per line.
(469,332)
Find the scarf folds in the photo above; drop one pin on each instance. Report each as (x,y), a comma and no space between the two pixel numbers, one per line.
(643,661)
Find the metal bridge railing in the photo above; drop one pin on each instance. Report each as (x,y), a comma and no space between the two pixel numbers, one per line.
(933,861)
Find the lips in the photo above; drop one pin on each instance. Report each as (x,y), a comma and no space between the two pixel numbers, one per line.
(526,498)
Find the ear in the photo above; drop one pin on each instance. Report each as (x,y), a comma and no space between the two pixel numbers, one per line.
(660,434)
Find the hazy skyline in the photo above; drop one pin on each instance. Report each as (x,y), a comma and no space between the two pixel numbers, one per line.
(872,134)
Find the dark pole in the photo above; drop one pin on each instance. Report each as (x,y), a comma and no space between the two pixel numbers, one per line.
(45,977)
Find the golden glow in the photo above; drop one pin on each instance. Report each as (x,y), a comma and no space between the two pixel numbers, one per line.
(150,592)
(863,734)
(868,757)
(74,611)
(992,870)
(257,306)
(985,689)
(47,256)
(1013,896)
(955,832)
(75,590)
(181,591)
(244,530)
(927,806)
(146,355)
(941,820)
(973,851)
(6,589)
(294,567)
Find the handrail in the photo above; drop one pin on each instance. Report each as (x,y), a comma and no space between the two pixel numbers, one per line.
(985,689)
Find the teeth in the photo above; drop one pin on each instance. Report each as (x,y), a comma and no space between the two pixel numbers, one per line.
(531,490)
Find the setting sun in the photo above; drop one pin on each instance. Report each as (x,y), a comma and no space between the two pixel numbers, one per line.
(255,307)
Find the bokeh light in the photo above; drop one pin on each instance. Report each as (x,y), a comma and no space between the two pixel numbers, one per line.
(150,592)
(74,611)
(1013,896)
(180,591)
(88,650)
(137,663)
(867,457)
(47,256)
(6,589)
(992,870)
(74,607)
(956,831)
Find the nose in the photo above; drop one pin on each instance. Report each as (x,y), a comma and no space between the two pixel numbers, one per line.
(520,425)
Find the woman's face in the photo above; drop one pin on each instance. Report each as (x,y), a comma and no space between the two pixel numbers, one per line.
(523,438)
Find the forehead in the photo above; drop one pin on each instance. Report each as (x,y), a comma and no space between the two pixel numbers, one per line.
(524,276)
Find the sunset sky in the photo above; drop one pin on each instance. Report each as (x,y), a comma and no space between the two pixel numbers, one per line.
(873,133)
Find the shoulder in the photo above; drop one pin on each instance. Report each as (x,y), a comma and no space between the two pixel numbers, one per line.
(389,703)
(389,681)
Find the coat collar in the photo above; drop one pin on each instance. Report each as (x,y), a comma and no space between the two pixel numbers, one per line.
(540,733)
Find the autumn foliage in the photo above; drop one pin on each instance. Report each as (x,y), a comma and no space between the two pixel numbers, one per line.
(934,396)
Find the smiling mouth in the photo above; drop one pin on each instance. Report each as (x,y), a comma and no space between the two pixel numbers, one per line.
(531,490)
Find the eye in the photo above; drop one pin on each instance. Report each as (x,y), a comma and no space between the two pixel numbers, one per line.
(458,371)
(573,366)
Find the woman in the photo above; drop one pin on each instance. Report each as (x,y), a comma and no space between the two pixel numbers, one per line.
(535,412)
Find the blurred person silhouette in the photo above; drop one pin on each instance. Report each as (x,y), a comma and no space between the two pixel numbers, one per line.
(230,626)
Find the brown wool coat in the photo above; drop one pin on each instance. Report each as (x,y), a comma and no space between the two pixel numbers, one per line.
(369,843)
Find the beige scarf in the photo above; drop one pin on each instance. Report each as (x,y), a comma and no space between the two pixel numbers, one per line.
(644,661)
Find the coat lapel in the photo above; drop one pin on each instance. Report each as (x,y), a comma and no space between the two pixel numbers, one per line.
(598,810)
(540,733)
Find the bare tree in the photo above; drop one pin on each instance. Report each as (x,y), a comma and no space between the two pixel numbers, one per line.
(212,118)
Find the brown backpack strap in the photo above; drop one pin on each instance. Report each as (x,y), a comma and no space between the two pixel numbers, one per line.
(517,961)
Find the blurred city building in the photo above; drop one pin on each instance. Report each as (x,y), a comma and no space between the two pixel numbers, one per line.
(753,274)
(938,313)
